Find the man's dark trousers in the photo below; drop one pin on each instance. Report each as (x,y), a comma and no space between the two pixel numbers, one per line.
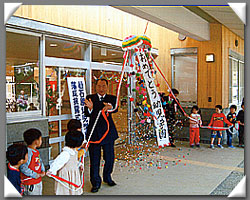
(95,156)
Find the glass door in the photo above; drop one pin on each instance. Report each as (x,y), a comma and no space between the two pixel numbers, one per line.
(58,107)
(184,74)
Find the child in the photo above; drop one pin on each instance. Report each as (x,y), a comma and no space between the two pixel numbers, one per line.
(194,127)
(231,117)
(66,164)
(17,154)
(76,125)
(217,121)
(33,170)
(240,120)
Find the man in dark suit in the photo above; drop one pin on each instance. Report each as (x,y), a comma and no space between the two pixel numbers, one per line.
(94,103)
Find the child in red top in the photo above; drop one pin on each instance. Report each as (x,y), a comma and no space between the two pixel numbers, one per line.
(33,170)
(218,120)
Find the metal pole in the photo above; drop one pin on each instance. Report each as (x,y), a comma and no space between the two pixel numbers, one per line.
(128,115)
(42,77)
(59,111)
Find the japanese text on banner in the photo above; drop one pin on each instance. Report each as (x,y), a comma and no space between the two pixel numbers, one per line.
(77,94)
(159,120)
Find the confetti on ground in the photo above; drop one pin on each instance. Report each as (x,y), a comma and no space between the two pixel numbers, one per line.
(146,155)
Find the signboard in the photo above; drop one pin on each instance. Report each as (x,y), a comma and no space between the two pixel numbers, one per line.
(77,95)
(159,119)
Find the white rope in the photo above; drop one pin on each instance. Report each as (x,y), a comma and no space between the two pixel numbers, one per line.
(119,86)
(224,128)
(93,128)
(118,93)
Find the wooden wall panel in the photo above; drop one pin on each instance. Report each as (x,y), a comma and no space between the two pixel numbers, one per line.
(111,22)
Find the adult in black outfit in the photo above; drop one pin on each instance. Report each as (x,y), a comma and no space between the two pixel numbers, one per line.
(171,107)
(94,103)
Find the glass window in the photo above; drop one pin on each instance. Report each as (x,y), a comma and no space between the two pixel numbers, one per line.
(54,151)
(106,55)
(22,73)
(64,127)
(52,93)
(241,81)
(64,95)
(64,49)
(56,80)
(185,78)
(53,129)
(58,102)
(236,81)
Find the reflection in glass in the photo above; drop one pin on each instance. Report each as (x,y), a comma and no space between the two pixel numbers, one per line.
(53,129)
(106,55)
(51,91)
(22,72)
(236,81)
(241,81)
(64,95)
(64,126)
(64,49)
(54,151)
(185,78)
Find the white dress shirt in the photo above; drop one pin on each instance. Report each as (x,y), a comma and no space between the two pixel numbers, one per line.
(100,96)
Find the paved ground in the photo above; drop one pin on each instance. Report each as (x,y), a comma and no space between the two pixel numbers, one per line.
(169,171)
(229,183)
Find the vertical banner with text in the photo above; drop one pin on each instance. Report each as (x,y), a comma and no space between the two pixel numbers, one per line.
(77,95)
(159,115)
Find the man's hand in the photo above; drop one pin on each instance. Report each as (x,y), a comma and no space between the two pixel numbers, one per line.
(242,124)
(107,106)
(81,168)
(89,104)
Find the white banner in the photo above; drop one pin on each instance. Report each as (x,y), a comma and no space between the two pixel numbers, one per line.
(159,119)
(77,95)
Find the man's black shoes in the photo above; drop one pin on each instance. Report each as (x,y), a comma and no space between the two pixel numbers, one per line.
(95,189)
(112,183)
(173,145)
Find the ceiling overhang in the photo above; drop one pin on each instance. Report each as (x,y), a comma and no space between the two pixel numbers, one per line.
(175,18)
(191,21)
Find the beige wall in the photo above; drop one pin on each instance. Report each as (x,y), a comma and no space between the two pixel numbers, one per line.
(111,22)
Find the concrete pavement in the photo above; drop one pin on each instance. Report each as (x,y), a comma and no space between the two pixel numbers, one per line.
(167,171)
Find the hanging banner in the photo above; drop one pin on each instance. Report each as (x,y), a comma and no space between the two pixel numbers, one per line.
(77,95)
(159,119)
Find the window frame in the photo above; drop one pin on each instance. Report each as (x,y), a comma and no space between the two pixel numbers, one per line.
(232,58)
(28,114)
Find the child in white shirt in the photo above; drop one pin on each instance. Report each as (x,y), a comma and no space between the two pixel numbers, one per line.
(66,165)
(194,131)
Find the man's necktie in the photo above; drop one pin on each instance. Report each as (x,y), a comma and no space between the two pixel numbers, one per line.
(101,98)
